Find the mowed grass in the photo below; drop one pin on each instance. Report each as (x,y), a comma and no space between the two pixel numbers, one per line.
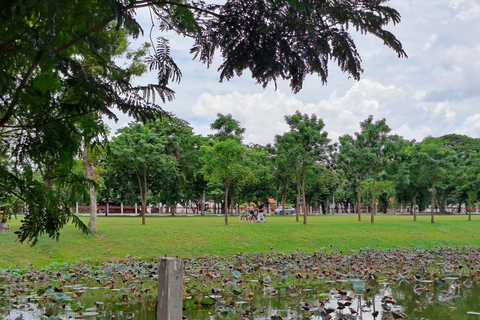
(185,237)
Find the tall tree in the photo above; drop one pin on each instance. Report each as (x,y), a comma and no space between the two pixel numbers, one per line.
(471,181)
(284,173)
(186,184)
(225,162)
(140,156)
(57,71)
(408,181)
(378,146)
(259,185)
(305,144)
(350,161)
(434,161)
(227,127)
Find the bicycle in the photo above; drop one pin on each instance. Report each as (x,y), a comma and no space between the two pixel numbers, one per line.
(247,217)
(243,217)
(252,217)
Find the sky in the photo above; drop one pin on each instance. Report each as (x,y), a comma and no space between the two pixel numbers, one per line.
(435,91)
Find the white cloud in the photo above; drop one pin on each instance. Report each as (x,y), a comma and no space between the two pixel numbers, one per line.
(430,42)
(471,126)
(467,10)
(432,93)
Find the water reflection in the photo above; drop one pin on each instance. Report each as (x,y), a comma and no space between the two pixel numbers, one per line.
(452,298)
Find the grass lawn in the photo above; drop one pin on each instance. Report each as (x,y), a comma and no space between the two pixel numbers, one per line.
(198,236)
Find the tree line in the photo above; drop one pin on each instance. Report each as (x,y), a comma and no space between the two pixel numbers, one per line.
(164,162)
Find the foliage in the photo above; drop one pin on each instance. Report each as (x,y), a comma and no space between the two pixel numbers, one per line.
(303,146)
(58,78)
(351,162)
(258,185)
(225,162)
(57,68)
(434,162)
(303,38)
(138,157)
(377,147)
(227,128)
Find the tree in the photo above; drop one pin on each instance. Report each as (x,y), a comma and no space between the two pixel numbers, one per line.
(291,39)
(47,86)
(227,127)
(284,173)
(259,185)
(187,183)
(408,181)
(140,156)
(377,146)
(320,185)
(305,144)
(465,148)
(57,70)
(91,159)
(350,161)
(433,161)
(224,162)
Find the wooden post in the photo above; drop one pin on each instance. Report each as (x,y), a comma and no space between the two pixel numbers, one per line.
(170,289)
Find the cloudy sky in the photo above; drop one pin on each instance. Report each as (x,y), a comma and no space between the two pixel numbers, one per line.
(435,91)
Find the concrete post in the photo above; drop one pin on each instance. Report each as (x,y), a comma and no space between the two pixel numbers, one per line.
(170,289)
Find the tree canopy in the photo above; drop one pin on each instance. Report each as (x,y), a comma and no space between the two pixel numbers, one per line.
(57,67)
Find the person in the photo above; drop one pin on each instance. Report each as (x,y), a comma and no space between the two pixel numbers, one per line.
(261,216)
(252,217)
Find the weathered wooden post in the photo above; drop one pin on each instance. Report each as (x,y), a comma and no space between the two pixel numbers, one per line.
(170,289)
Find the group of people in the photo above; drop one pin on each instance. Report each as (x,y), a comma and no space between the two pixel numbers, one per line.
(260,214)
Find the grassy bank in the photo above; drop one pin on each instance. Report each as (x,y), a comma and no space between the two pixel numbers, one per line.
(198,236)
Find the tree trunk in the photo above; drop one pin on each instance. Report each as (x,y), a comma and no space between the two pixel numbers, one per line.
(304,201)
(298,201)
(232,201)
(469,210)
(298,204)
(374,205)
(414,208)
(359,199)
(226,204)
(93,193)
(284,200)
(143,194)
(433,202)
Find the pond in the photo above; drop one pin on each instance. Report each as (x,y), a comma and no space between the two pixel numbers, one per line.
(369,284)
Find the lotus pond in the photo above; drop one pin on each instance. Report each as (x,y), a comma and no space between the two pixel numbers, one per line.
(440,283)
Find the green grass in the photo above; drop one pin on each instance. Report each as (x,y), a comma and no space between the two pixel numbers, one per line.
(199,236)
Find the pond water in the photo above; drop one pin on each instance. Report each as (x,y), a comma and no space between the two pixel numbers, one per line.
(419,284)
(452,298)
